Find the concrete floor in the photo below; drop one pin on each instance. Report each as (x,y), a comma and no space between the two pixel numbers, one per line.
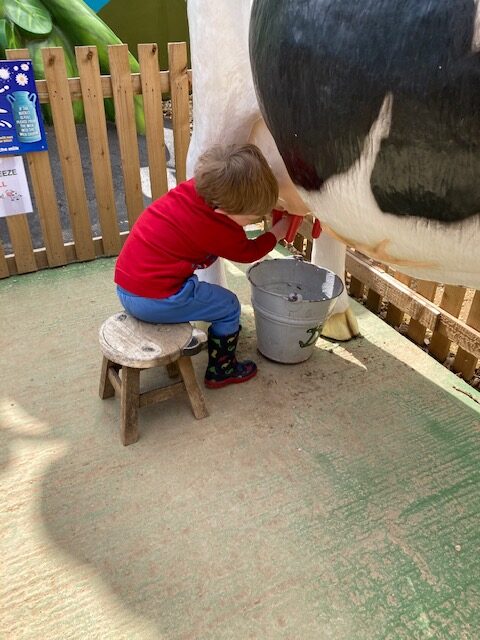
(333,499)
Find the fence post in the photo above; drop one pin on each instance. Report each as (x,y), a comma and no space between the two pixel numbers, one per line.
(18,225)
(153,107)
(126,128)
(452,302)
(357,287)
(373,301)
(417,331)
(464,362)
(45,196)
(68,149)
(179,91)
(395,315)
(89,69)
(4,270)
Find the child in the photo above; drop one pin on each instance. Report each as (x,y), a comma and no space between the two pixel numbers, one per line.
(186,229)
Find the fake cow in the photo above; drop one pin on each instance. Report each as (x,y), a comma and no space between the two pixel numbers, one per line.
(369,114)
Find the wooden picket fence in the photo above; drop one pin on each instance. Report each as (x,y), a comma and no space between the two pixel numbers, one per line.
(444,320)
(452,321)
(59,91)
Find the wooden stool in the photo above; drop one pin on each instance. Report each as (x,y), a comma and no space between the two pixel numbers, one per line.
(130,345)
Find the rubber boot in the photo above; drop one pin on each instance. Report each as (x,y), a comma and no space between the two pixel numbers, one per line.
(223,367)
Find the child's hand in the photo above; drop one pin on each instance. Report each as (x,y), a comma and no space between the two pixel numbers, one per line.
(280,228)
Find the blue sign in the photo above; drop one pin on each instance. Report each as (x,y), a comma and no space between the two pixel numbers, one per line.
(96,5)
(21,124)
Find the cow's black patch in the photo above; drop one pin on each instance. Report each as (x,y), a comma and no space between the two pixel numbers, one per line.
(322,69)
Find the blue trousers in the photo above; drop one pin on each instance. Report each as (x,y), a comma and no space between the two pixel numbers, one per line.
(195,301)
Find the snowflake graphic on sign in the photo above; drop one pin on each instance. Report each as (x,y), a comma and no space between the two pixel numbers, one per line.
(21,79)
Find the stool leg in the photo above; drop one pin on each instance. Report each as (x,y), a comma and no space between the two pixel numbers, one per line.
(195,396)
(106,389)
(173,370)
(129,405)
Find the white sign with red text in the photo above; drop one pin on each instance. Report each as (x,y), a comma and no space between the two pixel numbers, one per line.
(14,192)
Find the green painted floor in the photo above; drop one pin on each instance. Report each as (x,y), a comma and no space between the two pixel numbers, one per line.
(337,499)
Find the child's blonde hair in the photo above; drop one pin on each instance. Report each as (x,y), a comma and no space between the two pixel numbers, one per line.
(237,179)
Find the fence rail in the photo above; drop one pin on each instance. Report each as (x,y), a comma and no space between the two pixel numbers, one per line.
(450,325)
(433,316)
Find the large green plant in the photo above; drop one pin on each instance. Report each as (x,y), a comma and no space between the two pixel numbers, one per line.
(60,23)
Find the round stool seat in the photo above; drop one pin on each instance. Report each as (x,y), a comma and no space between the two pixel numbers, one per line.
(140,345)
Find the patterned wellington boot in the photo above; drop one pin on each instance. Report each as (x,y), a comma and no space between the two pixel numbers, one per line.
(223,367)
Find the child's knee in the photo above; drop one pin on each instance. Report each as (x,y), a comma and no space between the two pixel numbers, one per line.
(235,306)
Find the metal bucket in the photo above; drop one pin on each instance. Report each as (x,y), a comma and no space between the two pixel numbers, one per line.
(291,300)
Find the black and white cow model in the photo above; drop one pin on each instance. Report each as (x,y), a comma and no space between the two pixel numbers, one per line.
(369,114)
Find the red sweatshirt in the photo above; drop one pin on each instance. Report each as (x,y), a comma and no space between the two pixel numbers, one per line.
(177,234)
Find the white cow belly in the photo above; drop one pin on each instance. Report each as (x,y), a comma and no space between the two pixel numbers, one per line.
(422,248)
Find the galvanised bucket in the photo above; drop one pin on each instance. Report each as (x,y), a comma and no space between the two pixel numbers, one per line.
(291,300)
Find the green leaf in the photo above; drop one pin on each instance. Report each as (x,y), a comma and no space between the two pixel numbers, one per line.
(83,26)
(4,25)
(10,38)
(30,15)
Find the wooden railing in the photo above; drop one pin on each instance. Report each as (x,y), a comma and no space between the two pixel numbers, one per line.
(444,320)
